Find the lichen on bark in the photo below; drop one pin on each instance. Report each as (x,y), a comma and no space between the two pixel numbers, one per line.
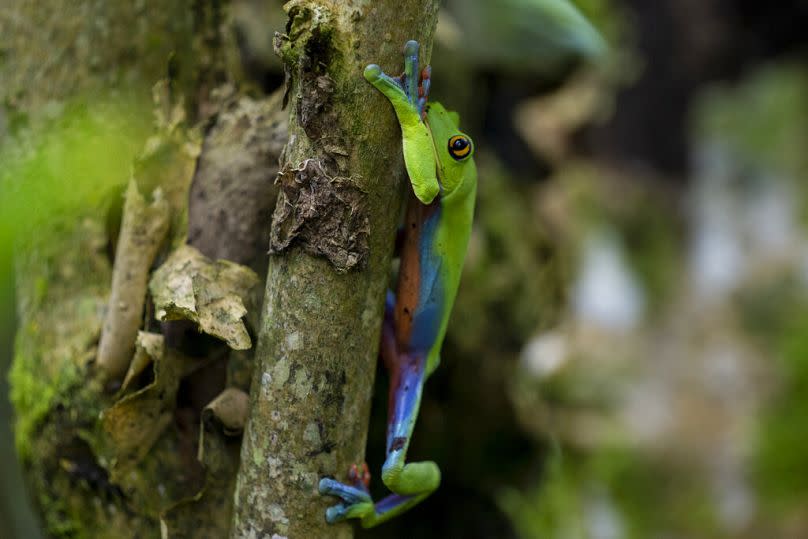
(316,354)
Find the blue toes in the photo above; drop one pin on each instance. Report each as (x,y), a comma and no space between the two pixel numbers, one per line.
(357,503)
(349,494)
(335,513)
(340,512)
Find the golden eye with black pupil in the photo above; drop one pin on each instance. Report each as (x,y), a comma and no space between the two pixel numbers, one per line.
(459,147)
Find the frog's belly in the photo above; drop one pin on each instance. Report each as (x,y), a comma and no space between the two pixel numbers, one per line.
(420,298)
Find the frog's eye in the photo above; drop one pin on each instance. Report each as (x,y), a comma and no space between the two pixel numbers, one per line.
(460,147)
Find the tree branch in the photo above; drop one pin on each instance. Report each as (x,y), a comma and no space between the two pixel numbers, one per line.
(143,230)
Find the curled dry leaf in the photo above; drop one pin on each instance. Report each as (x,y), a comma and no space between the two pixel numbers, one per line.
(213,294)
(147,347)
(229,409)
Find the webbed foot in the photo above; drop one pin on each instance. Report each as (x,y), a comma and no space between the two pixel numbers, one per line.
(420,479)
(356,502)
(355,496)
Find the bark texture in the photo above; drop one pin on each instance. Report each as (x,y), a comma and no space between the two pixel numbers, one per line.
(342,189)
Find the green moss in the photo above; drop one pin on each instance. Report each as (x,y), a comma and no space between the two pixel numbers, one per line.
(59,188)
(57,521)
(313,28)
(29,393)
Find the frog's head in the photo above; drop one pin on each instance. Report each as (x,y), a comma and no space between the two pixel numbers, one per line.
(453,148)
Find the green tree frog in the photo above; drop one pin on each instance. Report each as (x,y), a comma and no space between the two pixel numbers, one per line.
(438,159)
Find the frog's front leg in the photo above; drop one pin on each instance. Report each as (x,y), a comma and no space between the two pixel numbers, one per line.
(411,482)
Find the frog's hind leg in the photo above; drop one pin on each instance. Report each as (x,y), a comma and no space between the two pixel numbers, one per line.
(410,483)
(407,372)
(406,386)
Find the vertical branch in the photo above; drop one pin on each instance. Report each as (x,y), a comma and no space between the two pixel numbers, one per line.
(143,230)
(341,194)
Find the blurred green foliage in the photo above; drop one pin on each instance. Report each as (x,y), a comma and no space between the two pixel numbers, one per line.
(53,175)
(527,36)
(644,217)
(608,17)
(611,493)
(551,511)
(777,318)
(762,125)
(782,469)
(57,174)
(762,120)
(619,489)
(70,165)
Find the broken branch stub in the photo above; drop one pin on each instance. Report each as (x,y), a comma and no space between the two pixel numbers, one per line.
(143,229)
(229,409)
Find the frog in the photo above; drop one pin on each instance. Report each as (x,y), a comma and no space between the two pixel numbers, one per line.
(433,240)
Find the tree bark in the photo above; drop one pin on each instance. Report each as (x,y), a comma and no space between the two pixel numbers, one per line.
(342,187)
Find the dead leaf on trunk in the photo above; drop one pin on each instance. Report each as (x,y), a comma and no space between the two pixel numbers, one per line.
(215,295)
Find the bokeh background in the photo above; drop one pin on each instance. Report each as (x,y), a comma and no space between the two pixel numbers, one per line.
(628,356)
